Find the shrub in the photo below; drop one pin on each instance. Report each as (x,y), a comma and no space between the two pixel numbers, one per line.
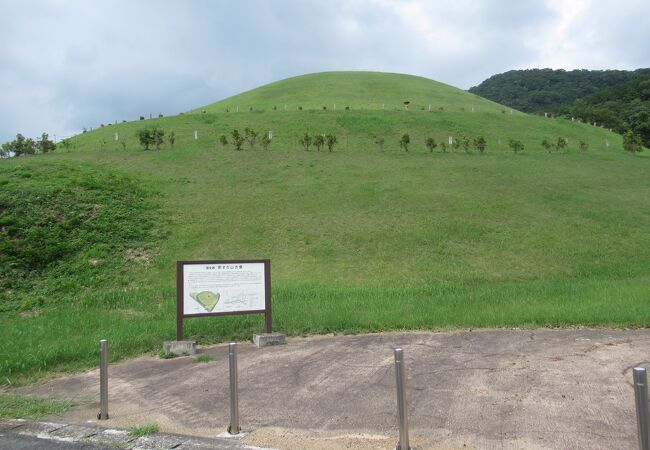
(632,142)
(331,141)
(319,141)
(305,141)
(547,145)
(465,142)
(145,137)
(251,136)
(431,143)
(480,143)
(44,144)
(561,144)
(516,145)
(237,139)
(266,141)
(380,142)
(583,146)
(172,139)
(443,146)
(223,140)
(20,146)
(405,141)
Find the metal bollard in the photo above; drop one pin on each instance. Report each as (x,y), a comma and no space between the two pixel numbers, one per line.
(641,400)
(233,428)
(402,409)
(103,380)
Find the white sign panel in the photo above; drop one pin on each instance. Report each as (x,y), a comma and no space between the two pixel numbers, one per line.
(212,288)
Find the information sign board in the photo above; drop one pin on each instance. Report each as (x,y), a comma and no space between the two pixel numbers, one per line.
(216,288)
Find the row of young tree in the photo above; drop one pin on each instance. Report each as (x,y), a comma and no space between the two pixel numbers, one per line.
(154,137)
(479,143)
(27,146)
(237,139)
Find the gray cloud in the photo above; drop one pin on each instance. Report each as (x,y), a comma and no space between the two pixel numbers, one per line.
(65,64)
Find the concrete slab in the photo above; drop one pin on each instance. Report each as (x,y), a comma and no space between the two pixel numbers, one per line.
(180,347)
(534,389)
(81,436)
(268,339)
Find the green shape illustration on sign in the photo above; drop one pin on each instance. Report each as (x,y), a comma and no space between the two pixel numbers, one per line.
(207,299)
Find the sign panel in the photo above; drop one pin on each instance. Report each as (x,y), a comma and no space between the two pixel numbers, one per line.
(213,288)
(222,288)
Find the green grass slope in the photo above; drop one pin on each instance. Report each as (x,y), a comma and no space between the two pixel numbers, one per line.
(361,239)
(357,90)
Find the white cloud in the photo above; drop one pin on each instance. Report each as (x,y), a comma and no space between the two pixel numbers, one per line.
(67,64)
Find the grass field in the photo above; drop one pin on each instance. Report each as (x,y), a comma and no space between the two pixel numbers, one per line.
(361,239)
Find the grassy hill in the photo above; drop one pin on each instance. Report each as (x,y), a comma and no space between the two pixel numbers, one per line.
(361,239)
(357,90)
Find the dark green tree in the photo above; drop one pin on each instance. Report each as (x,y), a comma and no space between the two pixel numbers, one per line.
(20,146)
(145,137)
(172,139)
(44,144)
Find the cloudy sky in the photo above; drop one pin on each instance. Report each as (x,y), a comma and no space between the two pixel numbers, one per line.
(66,64)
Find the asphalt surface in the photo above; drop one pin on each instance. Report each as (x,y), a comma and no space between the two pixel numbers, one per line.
(533,389)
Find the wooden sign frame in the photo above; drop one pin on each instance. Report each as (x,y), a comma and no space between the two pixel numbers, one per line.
(180,294)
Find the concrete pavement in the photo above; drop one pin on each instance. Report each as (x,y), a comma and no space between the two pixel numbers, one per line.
(488,389)
(27,435)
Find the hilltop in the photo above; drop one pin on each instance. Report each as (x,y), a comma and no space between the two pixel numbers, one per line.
(366,238)
(356,90)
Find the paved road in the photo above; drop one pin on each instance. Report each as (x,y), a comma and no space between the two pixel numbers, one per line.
(533,389)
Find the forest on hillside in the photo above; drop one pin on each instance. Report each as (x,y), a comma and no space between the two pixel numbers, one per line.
(615,99)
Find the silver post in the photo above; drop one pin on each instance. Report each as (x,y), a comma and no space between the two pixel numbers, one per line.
(402,410)
(233,428)
(103,380)
(641,400)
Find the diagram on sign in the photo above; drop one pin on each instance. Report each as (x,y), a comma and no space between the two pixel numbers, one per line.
(207,299)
